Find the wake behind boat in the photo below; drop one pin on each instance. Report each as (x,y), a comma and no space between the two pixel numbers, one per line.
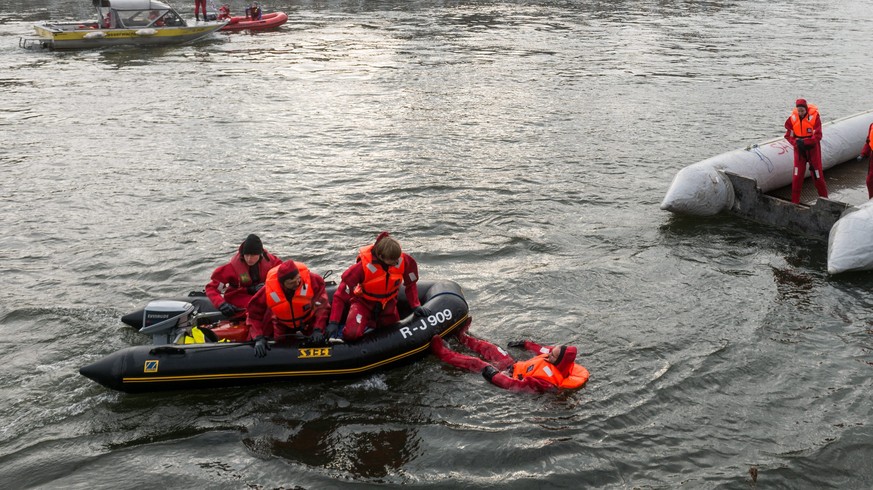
(119,23)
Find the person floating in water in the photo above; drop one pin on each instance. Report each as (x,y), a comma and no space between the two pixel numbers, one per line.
(552,369)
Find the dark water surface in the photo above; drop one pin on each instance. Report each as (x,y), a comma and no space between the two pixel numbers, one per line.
(518,148)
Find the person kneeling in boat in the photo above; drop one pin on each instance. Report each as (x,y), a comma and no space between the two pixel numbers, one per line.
(370,288)
(552,369)
(292,300)
(233,284)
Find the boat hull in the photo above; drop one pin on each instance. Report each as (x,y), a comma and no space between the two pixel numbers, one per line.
(268,21)
(194,366)
(55,36)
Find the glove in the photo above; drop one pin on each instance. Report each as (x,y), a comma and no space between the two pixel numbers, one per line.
(516,343)
(316,338)
(254,288)
(489,372)
(228,310)
(422,311)
(261,346)
(331,330)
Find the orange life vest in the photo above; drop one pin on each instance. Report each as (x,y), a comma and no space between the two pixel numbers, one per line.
(539,367)
(870,137)
(379,285)
(298,311)
(804,127)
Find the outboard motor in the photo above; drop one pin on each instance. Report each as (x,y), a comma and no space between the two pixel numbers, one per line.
(165,319)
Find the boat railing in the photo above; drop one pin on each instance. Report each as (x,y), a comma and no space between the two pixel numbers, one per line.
(33,42)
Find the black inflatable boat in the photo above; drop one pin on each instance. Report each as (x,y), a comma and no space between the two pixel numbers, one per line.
(168,366)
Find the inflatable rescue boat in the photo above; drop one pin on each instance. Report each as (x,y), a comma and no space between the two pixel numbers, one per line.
(704,188)
(168,365)
(266,22)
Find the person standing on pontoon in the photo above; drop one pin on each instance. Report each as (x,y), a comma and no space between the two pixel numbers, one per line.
(803,131)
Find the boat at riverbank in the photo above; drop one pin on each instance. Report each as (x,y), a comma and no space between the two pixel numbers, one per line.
(121,23)
(166,365)
(708,188)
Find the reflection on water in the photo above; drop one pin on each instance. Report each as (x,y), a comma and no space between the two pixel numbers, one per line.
(520,149)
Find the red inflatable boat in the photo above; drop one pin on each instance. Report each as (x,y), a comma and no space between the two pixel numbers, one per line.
(267,21)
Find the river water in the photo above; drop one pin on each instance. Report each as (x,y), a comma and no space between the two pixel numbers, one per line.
(519,148)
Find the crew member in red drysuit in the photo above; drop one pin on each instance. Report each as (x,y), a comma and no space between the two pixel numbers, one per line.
(370,288)
(552,369)
(198,5)
(803,131)
(233,284)
(867,151)
(293,299)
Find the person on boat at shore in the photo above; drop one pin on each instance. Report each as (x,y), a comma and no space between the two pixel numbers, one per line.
(552,369)
(232,285)
(200,5)
(803,131)
(293,299)
(370,288)
(867,152)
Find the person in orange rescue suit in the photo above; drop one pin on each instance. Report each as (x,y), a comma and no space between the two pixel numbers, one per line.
(370,288)
(233,284)
(293,299)
(552,369)
(867,151)
(803,131)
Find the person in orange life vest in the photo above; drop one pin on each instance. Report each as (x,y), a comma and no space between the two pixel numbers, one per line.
(803,131)
(240,278)
(867,152)
(552,369)
(293,299)
(370,288)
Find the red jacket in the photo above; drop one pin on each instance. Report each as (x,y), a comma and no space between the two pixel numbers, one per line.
(865,151)
(234,278)
(354,275)
(262,321)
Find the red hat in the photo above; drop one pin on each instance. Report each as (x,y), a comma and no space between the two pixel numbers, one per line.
(800,103)
(288,270)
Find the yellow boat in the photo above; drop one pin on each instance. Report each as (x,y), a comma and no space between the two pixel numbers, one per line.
(122,22)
